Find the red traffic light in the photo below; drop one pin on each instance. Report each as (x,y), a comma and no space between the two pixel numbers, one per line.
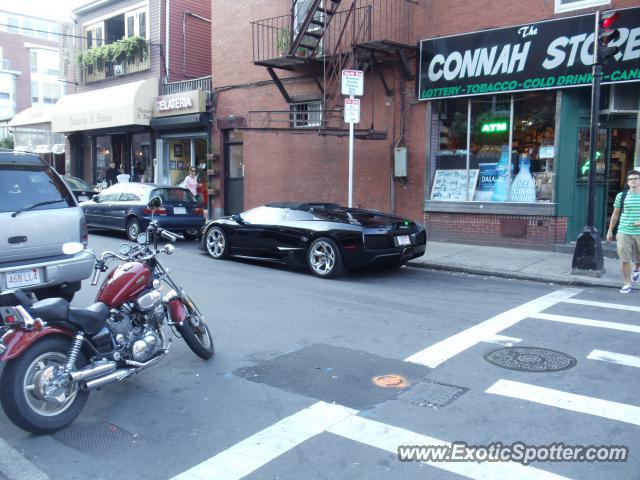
(609,18)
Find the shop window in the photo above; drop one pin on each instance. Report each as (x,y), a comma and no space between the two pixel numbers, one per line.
(568,5)
(496,149)
(35,92)
(304,115)
(103,156)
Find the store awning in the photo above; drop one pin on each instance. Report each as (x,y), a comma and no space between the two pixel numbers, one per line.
(192,120)
(121,105)
(32,116)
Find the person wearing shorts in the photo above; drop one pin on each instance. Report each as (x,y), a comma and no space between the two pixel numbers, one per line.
(628,236)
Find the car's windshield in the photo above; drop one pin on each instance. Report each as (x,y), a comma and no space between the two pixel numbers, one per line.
(173,195)
(22,186)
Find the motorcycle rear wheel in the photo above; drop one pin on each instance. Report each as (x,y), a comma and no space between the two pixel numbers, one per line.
(196,333)
(17,387)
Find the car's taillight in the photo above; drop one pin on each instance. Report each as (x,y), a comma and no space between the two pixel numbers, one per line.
(84,232)
(157,211)
(198,211)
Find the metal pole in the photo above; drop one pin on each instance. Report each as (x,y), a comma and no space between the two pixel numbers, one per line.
(351,162)
(593,141)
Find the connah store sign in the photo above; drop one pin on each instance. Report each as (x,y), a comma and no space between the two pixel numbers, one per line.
(549,54)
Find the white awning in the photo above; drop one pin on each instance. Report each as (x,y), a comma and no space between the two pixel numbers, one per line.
(32,116)
(121,105)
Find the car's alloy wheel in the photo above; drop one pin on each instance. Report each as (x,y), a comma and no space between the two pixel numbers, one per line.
(133,229)
(216,243)
(324,258)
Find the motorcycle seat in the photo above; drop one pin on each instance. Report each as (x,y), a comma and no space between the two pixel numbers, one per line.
(50,309)
(90,319)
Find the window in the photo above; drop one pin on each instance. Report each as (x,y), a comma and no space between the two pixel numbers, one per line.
(34,61)
(263,216)
(27,27)
(142,24)
(13,25)
(50,93)
(486,167)
(568,5)
(303,115)
(41,30)
(136,23)
(35,92)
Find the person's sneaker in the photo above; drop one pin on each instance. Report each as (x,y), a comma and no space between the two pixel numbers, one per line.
(635,276)
(625,289)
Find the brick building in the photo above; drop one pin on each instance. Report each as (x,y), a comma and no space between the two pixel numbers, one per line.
(142,75)
(489,159)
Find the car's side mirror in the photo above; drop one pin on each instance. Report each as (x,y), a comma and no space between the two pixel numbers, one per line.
(96,199)
(154,203)
(236,217)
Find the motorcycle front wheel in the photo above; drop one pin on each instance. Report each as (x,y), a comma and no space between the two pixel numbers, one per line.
(196,332)
(27,379)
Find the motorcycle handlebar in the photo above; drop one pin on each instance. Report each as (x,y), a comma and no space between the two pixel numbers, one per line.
(170,236)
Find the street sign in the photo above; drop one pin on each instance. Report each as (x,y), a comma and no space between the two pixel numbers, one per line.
(351,110)
(352,82)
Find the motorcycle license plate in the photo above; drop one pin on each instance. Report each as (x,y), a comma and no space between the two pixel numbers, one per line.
(23,278)
(403,240)
(179,210)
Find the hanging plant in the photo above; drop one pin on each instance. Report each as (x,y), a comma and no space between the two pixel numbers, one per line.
(128,48)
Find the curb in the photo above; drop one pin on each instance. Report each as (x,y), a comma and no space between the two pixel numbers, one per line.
(13,465)
(512,275)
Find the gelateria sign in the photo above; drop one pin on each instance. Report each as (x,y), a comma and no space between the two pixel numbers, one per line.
(193,101)
(549,54)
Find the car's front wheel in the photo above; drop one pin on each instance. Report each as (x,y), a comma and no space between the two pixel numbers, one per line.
(324,259)
(216,243)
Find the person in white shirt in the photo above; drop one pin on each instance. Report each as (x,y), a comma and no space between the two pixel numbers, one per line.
(191,182)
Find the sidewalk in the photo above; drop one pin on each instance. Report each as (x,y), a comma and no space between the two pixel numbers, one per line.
(523,264)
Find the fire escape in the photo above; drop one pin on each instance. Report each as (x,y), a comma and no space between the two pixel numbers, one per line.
(320,38)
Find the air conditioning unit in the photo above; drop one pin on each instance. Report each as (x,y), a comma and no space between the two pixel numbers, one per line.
(118,69)
(622,98)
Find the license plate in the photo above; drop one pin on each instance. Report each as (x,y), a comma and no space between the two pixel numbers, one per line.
(82,198)
(403,240)
(179,210)
(23,278)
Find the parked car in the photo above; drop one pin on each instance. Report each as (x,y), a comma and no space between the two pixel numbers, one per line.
(38,214)
(326,237)
(123,207)
(82,190)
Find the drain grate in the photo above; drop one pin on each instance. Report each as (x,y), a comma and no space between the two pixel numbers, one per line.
(97,439)
(432,394)
(530,359)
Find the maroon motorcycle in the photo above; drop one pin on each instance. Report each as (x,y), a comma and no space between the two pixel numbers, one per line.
(56,354)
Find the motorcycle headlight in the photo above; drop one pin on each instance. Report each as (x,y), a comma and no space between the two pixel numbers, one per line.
(169,249)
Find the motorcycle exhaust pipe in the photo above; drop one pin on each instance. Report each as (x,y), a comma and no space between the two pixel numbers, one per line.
(92,372)
(114,377)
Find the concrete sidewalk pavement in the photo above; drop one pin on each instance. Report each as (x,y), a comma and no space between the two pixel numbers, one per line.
(517,263)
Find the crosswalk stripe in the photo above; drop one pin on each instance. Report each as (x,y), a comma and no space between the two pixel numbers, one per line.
(389,438)
(619,358)
(503,340)
(568,401)
(252,453)
(587,322)
(615,306)
(449,347)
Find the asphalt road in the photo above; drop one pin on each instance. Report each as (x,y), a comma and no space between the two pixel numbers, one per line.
(296,358)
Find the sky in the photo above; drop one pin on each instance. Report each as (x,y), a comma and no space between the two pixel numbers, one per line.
(49,9)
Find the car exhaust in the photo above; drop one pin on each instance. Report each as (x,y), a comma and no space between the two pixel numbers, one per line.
(114,377)
(92,372)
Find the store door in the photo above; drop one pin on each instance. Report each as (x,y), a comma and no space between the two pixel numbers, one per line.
(233,172)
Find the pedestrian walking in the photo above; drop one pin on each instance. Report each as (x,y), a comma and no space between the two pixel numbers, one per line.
(111,175)
(191,182)
(627,211)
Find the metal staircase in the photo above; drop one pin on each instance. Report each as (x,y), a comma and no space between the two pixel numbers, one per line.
(313,27)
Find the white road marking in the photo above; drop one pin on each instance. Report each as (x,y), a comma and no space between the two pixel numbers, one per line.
(387,437)
(619,358)
(503,340)
(252,453)
(568,401)
(587,322)
(615,306)
(452,346)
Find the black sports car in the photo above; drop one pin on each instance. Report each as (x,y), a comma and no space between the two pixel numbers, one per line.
(326,237)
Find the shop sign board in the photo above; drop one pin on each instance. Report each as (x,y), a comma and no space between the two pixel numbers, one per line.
(352,82)
(549,54)
(193,101)
(351,110)
(454,184)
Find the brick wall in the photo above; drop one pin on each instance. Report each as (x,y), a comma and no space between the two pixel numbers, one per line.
(189,52)
(503,230)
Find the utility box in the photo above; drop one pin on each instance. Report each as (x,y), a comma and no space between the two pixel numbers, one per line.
(400,162)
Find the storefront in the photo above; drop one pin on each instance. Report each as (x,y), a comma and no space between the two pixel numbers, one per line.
(109,125)
(508,122)
(181,125)
(31,130)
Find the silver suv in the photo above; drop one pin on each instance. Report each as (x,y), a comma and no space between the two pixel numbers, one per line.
(38,214)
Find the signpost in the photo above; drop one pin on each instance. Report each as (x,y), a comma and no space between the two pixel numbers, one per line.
(352,84)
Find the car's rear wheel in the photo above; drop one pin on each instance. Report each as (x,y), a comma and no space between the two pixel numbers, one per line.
(216,243)
(133,229)
(324,259)
(191,234)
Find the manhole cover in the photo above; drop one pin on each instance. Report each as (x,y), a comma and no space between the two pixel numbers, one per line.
(97,439)
(432,394)
(390,381)
(530,359)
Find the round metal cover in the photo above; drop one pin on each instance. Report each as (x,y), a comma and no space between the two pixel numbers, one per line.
(530,359)
(390,381)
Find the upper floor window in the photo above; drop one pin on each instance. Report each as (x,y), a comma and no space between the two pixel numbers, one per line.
(303,115)
(13,25)
(569,5)
(45,62)
(136,23)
